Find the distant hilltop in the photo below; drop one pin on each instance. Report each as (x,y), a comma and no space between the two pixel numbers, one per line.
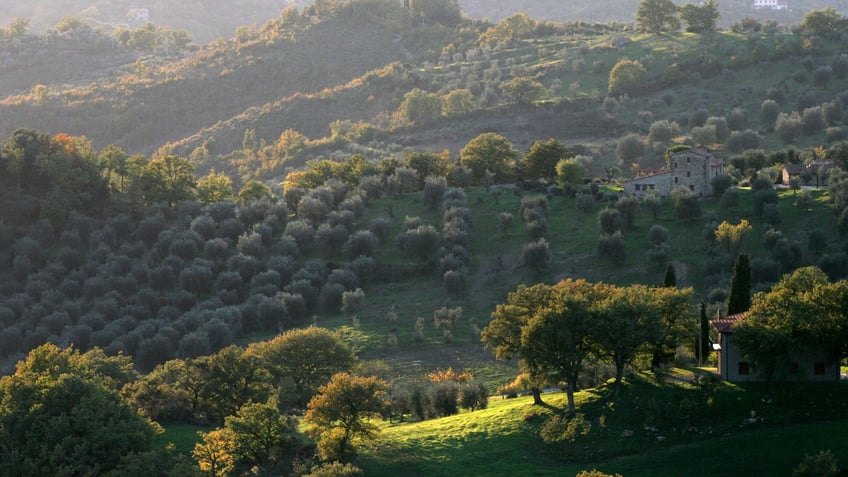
(209,20)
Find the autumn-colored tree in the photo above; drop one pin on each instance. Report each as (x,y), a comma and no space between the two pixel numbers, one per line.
(730,236)
(341,413)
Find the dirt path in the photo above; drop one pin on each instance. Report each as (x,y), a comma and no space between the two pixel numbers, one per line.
(398,41)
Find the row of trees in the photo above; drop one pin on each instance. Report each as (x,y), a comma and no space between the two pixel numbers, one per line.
(656,16)
(555,329)
(248,393)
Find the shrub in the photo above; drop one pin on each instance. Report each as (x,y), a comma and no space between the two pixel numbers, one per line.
(821,464)
(610,221)
(345,277)
(536,255)
(361,243)
(331,238)
(536,229)
(455,282)
(698,118)
(630,149)
(505,220)
(771,214)
(812,120)
(686,205)
(352,301)
(703,135)
(612,247)
(250,243)
(420,242)
(629,208)
(822,76)
(730,198)
(663,131)
(769,111)
(719,124)
(302,232)
(474,395)
(344,218)
(743,140)
(434,190)
(788,126)
(736,119)
(442,398)
(761,198)
(658,234)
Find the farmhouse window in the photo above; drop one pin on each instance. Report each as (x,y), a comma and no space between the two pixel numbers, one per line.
(744,368)
(819,368)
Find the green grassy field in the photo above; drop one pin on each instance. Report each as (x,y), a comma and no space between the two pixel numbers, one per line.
(497,267)
(659,426)
(501,440)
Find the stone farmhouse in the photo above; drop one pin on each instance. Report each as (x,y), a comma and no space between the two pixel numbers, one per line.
(814,173)
(692,168)
(733,367)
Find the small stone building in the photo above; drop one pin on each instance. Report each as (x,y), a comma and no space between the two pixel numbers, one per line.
(809,174)
(734,368)
(692,168)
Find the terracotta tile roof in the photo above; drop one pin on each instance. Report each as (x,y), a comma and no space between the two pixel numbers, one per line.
(722,325)
(716,161)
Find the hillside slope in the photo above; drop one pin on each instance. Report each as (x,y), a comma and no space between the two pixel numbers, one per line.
(141,112)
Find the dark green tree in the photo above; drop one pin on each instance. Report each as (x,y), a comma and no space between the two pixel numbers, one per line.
(168,179)
(488,152)
(61,414)
(670,277)
(626,77)
(541,160)
(655,16)
(740,287)
(292,358)
(700,18)
(704,334)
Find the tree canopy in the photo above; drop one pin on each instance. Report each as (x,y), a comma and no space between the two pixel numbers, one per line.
(488,152)
(555,328)
(626,77)
(341,413)
(61,414)
(804,313)
(656,16)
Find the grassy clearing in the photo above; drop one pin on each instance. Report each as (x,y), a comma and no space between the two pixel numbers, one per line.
(181,436)
(674,428)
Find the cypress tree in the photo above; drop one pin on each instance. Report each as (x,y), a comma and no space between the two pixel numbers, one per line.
(740,287)
(704,335)
(670,278)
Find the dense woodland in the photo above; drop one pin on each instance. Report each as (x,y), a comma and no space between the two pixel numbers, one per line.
(283,242)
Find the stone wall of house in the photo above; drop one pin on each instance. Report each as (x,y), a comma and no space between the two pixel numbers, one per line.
(692,170)
(659,184)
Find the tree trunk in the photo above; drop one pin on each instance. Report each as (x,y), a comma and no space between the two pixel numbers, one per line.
(619,372)
(537,397)
(570,393)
